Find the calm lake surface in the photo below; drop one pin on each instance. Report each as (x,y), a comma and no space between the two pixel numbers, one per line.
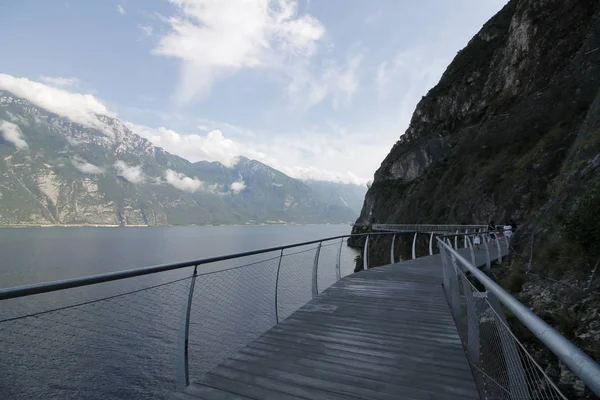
(121,339)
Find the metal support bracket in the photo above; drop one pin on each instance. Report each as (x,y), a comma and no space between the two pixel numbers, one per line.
(315,287)
(183,376)
(414,246)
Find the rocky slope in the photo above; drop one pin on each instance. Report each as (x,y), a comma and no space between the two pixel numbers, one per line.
(342,194)
(56,171)
(512,130)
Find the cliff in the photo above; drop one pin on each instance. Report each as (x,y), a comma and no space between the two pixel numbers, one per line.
(512,130)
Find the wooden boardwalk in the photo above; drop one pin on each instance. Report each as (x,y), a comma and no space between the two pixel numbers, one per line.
(385,333)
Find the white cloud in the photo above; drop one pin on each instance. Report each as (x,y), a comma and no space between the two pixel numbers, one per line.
(374,17)
(80,108)
(308,88)
(415,70)
(383,78)
(212,146)
(346,82)
(183,182)
(86,167)
(330,156)
(146,30)
(133,174)
(215,38)
(61,82)
(312,173)
(237,187)
(120,9)
(12,133)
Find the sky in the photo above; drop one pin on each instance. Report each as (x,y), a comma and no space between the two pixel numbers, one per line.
(320,89)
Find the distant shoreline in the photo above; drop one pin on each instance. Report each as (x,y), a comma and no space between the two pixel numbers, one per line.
(71,226)
(146,226)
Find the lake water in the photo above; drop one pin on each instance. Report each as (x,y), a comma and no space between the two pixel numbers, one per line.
(121,339)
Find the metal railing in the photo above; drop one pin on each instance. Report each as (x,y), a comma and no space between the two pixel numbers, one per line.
(465,233)
(88,334)
(437,228)
(502,365)
(122,330)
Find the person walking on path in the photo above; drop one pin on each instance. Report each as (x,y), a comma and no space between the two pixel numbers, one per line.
(477,241)
(508,230)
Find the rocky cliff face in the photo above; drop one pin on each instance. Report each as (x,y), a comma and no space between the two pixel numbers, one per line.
(512,130)
(56,171)
(491,136)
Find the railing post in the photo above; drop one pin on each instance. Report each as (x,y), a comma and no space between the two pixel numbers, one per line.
(445,271)
(465,238)
(277,287)
(315,287)
(517,384)
(499,249)
(431,244)
(183,376)
(455,291)
(366,254)
(456,240)
(392,258)
(468,239)
(488,259)
(338,263)
(414,247)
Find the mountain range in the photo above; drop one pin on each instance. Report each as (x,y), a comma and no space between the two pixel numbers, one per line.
(55,171)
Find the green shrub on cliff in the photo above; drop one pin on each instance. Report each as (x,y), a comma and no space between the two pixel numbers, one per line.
(583,224)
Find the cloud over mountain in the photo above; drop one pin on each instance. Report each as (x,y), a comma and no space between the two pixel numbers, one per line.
(80,108)
(12,133)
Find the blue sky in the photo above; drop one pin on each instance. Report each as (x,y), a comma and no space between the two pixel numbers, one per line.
(319,89)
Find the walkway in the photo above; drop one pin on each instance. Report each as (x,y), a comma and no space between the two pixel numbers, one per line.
(385,333)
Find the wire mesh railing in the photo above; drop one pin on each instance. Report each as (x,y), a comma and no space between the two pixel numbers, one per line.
(501,365)
(58,352)
(143,333)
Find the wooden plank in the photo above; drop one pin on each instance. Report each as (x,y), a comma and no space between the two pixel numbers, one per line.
(313,387)
(349,357)
(406,355)
(184,396)
(424,344)
(388,342)
(397,378)
(357,366)
(381,332)
(384,333)
(240,385)
(430,357)
(261,385)
(194,391)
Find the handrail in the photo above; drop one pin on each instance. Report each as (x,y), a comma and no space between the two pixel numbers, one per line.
(427,225)
(45,287)
(439,228)
(578,362)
